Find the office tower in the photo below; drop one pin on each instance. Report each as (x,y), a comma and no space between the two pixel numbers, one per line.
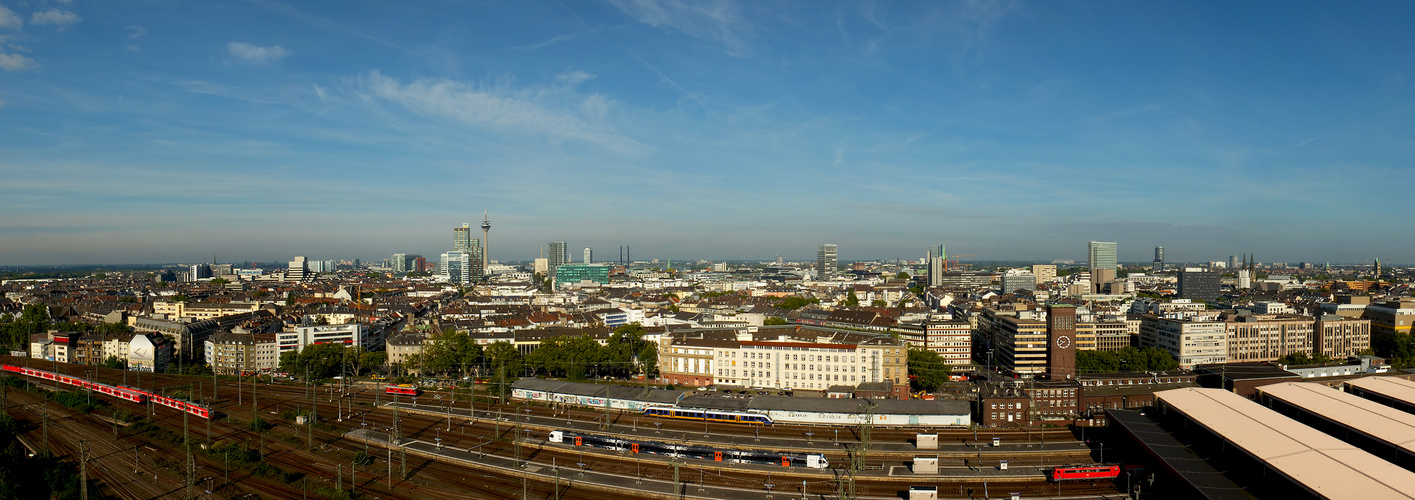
(456,267)
(299,269)
(399,262)
(1018,279)
(937,263)
(1101,255)
(588,255)
(1061,350)
(462,239)
(1197,284)
(1101,261)
(485,229)
(419,264)
(1158,264)
(779,261)
(1233,262)
(558,256)
(200,272)
(826,263)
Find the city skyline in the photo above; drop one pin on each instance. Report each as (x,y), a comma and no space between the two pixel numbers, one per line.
(719,131)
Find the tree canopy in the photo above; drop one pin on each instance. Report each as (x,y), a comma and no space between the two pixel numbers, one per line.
(927,370)
(1128,359)
(794,303)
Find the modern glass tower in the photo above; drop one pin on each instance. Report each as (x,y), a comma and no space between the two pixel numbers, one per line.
(1101,255)
(558,256)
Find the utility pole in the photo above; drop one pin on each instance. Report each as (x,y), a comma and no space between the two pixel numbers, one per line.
(44,420)
(83,469)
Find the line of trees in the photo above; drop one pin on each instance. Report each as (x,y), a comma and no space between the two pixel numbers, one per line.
(625,353)
(1128,359)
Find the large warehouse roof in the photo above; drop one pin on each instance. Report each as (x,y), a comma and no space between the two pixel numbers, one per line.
(1392,387)
(1360,414)
(1315,461)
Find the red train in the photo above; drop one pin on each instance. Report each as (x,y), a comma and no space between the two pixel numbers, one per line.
(121,392)
(404,390)
(1085,472)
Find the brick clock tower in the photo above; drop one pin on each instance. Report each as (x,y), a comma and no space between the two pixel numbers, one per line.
(1061,350)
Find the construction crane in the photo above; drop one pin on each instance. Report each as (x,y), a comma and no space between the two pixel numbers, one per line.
(952,264)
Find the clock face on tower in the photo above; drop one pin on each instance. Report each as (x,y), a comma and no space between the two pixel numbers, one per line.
(1063,342)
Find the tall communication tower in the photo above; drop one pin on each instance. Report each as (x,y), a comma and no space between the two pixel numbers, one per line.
(485,229)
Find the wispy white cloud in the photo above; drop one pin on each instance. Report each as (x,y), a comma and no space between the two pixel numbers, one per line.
(715,21)
(574,77)
(1304,143)
(500,109)
(9,19)
(255,54)
(135,32)
(547,43)
(60,19)
(14,62)
(320,22)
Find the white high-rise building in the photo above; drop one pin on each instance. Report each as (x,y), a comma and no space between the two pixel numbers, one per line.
(937,261)
(588,255)
(455,266)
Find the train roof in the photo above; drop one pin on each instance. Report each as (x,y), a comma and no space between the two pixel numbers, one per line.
(695,399)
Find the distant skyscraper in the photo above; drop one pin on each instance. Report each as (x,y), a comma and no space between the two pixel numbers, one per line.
(589,255)
(938,260)
(299,269)
(1233,262)
(826,262)
(456,266)
(1101,255)
(1158,264)
(462,239)
(557,256)
(1101,259)
(200,271)
(485,229)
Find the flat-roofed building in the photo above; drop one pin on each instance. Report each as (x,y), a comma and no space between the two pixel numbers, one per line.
(1267,337)
(783,358)
(1191,342)
(1340,337)
(1021,345)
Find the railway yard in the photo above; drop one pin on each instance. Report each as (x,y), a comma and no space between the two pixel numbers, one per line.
(446,445)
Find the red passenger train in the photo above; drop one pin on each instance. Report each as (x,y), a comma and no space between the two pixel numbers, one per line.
(1085,472)
(404,390)
(121,392)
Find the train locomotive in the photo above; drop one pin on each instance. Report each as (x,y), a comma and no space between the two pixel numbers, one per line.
(126,393)
(809,460)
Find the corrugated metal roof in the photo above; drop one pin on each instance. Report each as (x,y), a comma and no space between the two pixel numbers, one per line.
(1322,464)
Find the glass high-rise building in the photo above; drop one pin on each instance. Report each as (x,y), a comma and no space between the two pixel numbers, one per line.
(826,262)
(1101,255)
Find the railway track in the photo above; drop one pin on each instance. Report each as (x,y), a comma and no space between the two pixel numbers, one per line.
(441,479)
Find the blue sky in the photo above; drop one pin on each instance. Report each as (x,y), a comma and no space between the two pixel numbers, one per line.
(165,131)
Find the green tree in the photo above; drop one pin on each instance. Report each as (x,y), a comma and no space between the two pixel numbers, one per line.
(503,354)
(794,303)
(852,300)
(321,360)
(902,275)
(773,321)
(927,371)
(879,303)
(450,352)
(115,362)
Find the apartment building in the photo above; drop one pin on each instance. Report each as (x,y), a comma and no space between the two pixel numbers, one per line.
(783,358)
